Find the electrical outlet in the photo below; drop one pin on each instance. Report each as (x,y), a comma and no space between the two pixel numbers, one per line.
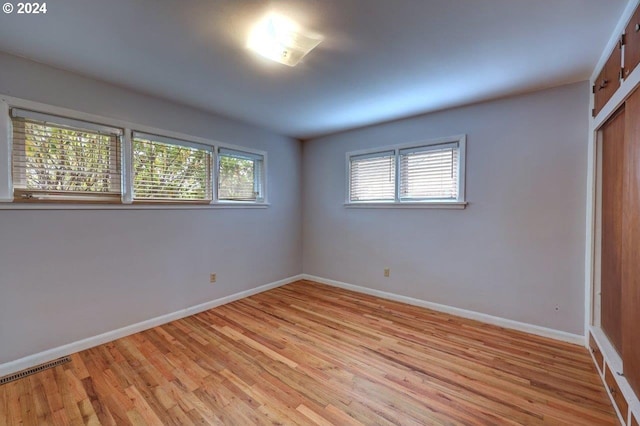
(387,271)
(212,278)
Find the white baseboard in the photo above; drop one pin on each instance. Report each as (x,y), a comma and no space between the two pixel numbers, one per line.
(490,319)
(90,342)
(80,345)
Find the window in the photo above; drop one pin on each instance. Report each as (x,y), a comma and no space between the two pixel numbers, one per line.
(240,175)
(166,170)
(50,154)
(373,177)
(58,159)
(428,173)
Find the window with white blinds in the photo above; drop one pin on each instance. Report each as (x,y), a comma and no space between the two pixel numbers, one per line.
(427,173)
(170,170)
(59,159)
(240,175)
(373,177)
(54,155)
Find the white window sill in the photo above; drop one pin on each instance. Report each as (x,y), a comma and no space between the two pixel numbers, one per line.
(456,205)
(69,206)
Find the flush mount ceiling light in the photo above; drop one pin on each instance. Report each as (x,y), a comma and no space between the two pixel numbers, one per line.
(281,40)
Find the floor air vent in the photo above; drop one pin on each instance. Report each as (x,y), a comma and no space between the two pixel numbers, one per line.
(28,372)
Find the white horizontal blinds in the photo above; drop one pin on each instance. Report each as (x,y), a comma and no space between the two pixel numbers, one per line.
(56,158)
(372,177)
(167,170)
(239,175)
(429,172)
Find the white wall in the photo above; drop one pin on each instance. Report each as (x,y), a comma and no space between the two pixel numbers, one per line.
(68,275)
(516,252)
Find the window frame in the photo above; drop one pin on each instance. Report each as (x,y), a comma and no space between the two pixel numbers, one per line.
(458,203)
(45,196)
(171,142)
(7,201)
(377,154)
(259,179)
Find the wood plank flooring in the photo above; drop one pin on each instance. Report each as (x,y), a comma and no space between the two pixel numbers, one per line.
(307,353)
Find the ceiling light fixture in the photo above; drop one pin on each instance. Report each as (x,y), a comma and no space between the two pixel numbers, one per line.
(282,40)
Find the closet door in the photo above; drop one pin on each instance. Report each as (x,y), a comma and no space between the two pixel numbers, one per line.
(613,147)
(631,251)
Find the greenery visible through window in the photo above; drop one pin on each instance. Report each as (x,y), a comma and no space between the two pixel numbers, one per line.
(166,172)
(239,176)
(52,160)
(56,158)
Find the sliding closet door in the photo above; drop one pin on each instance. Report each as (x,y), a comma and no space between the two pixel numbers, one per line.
(613,146)
(631,250)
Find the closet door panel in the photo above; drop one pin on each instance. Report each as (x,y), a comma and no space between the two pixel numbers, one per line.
(632,44)
(631,248)
(613,144)
(608,80)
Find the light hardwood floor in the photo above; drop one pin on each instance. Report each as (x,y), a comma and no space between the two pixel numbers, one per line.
(307,353)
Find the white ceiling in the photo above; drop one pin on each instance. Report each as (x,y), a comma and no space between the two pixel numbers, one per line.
(381,59)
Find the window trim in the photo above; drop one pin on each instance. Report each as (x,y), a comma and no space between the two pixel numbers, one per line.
(459,203)
(6,143)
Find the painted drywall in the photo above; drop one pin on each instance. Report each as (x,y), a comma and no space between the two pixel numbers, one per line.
(516,251)
(69,275)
